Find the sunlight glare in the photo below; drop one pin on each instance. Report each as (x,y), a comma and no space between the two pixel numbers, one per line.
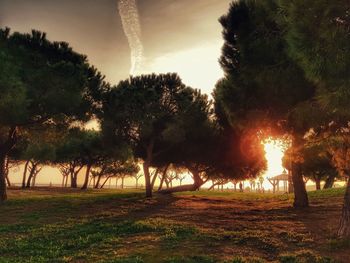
(274,152)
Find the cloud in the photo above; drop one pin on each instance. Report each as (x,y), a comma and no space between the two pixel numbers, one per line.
(132,29)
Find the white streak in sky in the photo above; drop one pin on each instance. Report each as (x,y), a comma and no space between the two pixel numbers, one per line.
(132,29)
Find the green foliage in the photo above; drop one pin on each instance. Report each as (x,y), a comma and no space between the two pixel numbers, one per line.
(50,79)
(143,110)
(262,83)
(87,146)
(42,84)
(13,91)
(318,38)
(317,34)
(317,162)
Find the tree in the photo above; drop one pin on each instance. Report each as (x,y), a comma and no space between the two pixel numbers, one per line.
(137,177)
(7,171)
(65,172)
(218,182)
(69,156)
(86,148)
(181,177)
(141,110)
(41,82)
(114,169)
(92,152)
(340,148)
(36,154)
(262,85)
(317,165)
(162,176)
(318,36)
(261,180)
(169,178)
(10,163)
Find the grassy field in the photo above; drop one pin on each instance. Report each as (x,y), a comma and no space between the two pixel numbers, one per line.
(63,225)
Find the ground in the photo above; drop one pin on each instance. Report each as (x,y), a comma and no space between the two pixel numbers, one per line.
(64,225)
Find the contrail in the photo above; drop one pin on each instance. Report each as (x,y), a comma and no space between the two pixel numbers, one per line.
(132,29)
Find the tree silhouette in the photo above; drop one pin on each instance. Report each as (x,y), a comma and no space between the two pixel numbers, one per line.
(41,82)
(143,110)
(262,84)
(318,36)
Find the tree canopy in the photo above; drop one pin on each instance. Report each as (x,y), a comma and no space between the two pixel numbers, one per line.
(41,82)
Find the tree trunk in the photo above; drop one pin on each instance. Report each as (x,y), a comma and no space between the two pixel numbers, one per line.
(161,182)
(3,194)
(147,179)
(8,180)
(104,182)
(122,182)
(300,195)
(155,176)
(34,180)
(146,166)
(5,149)
(301,199)
(24,179)
(73,179)
(198,182)
(318,183)
(344,226)
(329,182)
(36,172)
(31,175)
(87,174)
(212,187)
(74,173)
(63,178)
(66,183)
(98,181)
(7,171)
(290,183)
(166,182)
(163,177)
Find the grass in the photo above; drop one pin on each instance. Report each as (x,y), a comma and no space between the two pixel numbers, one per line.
(250,196)
(122,226)
(327,193)
(247,196)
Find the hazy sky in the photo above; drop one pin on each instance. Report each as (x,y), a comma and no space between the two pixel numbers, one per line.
(177,35)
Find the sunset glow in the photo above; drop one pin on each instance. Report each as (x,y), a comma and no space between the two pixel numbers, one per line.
(198,67)
(274,152)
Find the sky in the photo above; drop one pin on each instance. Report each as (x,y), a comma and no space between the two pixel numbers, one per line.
(181,36)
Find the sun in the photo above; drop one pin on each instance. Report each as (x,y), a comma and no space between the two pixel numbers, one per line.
(274,153)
